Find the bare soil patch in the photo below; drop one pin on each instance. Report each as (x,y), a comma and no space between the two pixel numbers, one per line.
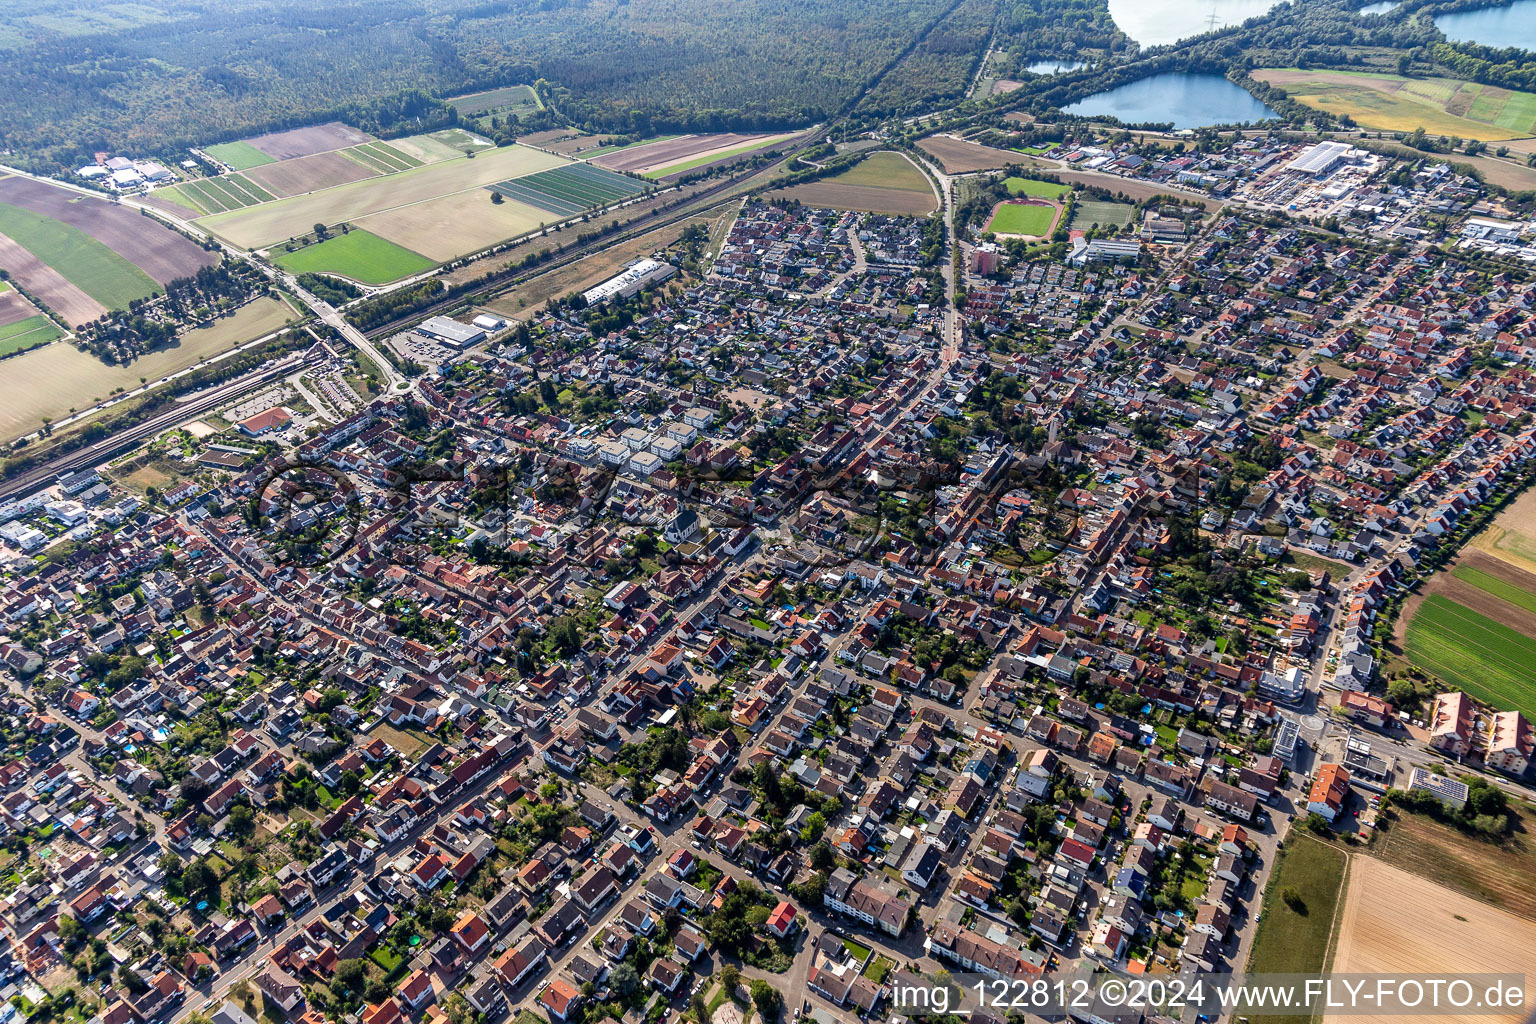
(14,306)
(865,199)
(307,173)
(320,138)
(1498,874)
(960,157)
(1446,933)
(450,226)
(72,305)
(146,243)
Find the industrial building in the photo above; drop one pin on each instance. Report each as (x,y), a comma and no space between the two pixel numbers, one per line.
(1084,251)
(447,331)
(1320,160)
(635,277)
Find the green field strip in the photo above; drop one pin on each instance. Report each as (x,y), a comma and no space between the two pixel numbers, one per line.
(360,155)
(389,158)
(1488,660)
(186,194)
(1504,591)
(1519,113)
(252,189)
(385,161)
(229,194)
(214,200)
(83,261)
(1487,108)
(26,333)
(390,151)
(359,255)
(239,156)
(220,191)
(534,198)
(576,193)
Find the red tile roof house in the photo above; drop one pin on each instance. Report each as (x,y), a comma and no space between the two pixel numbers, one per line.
(416,989)
(782,921)
(430,872)
(470,931)
(560,998)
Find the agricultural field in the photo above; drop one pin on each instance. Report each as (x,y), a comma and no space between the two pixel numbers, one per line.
(238,156)
(1472,652)
(516,99)
(1024,217)
(284,178)
(51,380)
(146,243)
(1295,940)
(28,332)
(588,140)
(455,224)
(960,157)
(270,223)
(717,156)
(319,138)
(880,183)
(1504,590)
(1087,213)
(218,194)
(1511,537)
(1037,189)
(569,190)
(1451,934)
(1497,874)
(359,255)
(1441,106)
(84,262)
(453,140)
(657,158)
(382,157)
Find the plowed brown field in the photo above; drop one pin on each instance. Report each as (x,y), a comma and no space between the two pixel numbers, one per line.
(1398,923)
(143,241)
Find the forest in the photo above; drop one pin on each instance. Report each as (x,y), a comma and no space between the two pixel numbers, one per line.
(210,72)
(152,81)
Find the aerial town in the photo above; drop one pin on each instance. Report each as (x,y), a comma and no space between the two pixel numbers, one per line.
(825,602)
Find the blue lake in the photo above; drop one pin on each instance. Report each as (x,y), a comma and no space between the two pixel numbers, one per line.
(1514,25)
(1380,7)
(1187,100)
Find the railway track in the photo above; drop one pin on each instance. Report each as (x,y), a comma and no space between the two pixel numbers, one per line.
(178,412)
